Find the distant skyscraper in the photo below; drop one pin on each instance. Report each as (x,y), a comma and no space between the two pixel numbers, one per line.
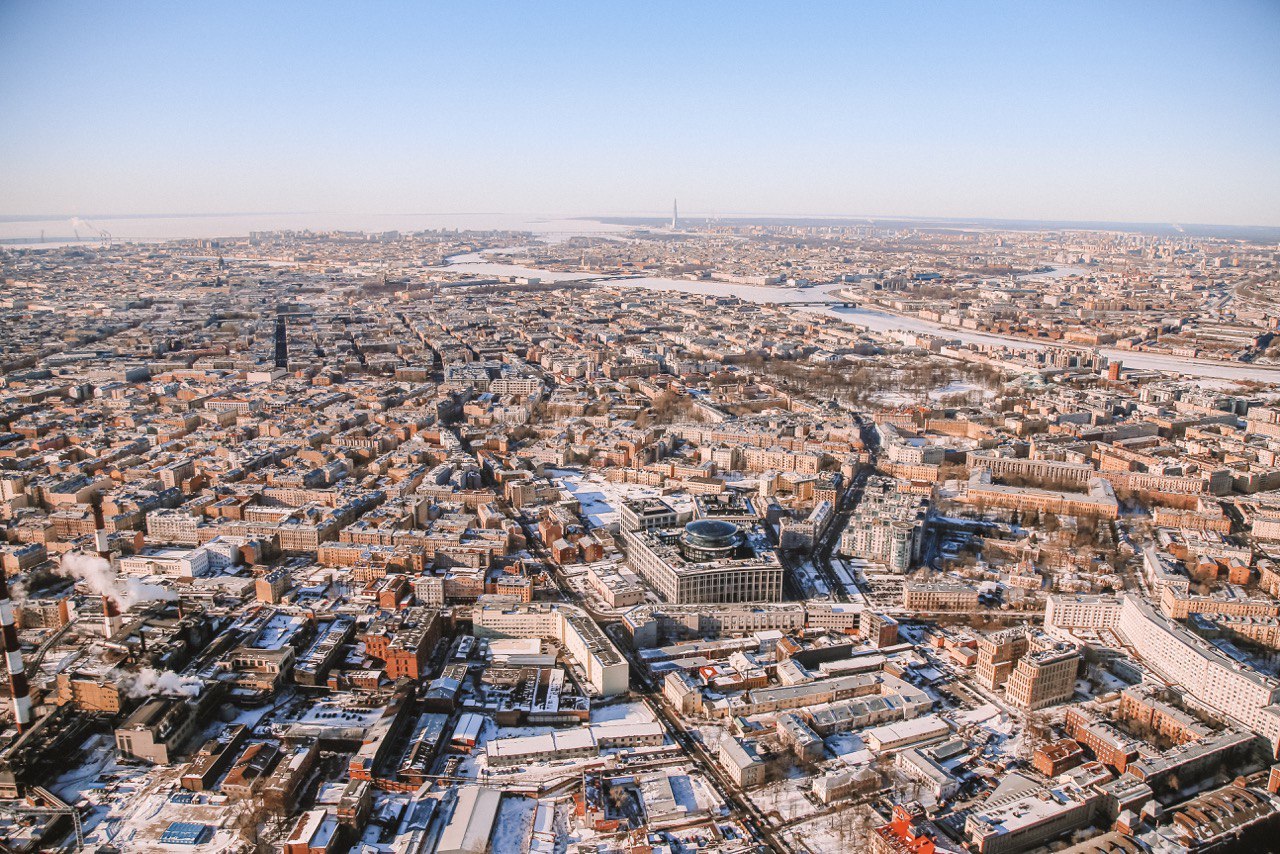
(282,343)
(673,214)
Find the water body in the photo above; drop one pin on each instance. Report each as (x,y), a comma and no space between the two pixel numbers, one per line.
(1058,273)
(877,321)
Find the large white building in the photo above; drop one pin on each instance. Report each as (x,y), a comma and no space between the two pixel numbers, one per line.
(1083,612)
(175,563)
(647,623)
(646,514)
(908,452)
(576,743)
(601,663)
(177,527)
(1178,656)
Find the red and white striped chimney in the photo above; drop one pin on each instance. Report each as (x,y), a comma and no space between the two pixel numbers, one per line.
(13,658)
(112,622)
(101,540)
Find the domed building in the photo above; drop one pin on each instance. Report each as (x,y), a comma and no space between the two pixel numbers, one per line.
(710,539)
(709,560)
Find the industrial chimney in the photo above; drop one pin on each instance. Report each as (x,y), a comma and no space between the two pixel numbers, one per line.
(13,657)
(112,621)
(101,539)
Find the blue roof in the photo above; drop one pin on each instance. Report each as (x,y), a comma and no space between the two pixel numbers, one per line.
(186,833)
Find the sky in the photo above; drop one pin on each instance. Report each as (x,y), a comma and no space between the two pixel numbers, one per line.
(1121,111)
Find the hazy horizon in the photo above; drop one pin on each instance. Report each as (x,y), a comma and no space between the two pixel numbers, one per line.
(657,214)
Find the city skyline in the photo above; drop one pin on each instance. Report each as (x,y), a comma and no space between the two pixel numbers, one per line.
(709,428)
(746,536)
(1146,113)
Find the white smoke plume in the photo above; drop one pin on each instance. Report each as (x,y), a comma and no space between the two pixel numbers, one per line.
(79,224)
(17,588)
(102,578)
(154,683)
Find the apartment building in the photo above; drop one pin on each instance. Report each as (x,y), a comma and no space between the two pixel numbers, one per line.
(1035,670)
(887,527)
(602,666)
(1044,677)
(934,596)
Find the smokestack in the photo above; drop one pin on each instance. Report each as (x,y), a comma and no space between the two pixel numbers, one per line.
(101,540)
(112,622)
(13,658)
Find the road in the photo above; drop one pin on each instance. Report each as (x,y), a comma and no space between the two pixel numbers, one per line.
(849,500)
(751,816)
(821,558)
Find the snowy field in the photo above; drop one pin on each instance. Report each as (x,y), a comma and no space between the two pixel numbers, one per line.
(849,749)
(841,829)
(785,798)
(514,825)
(338,715)
(635,712)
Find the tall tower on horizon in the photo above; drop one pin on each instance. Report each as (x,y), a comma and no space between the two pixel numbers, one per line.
(674,214)
(282,343)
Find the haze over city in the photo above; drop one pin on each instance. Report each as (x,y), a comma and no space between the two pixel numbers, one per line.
(711,428)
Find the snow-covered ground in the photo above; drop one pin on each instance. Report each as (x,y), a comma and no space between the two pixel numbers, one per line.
(842,829)
(599,498)
(634,712)
(1006,737)
(130,806)
(849,749)
(338,715)
(514,825)
(960,387)
(784,797)
(705,795)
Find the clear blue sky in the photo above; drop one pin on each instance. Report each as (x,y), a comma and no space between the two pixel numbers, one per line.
(1152,111)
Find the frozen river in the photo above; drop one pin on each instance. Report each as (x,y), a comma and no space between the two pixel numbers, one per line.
(876,321)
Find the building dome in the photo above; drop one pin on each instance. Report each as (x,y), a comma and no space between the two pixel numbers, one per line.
(710,539)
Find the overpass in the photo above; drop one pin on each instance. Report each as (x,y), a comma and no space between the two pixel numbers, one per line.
(833,303)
